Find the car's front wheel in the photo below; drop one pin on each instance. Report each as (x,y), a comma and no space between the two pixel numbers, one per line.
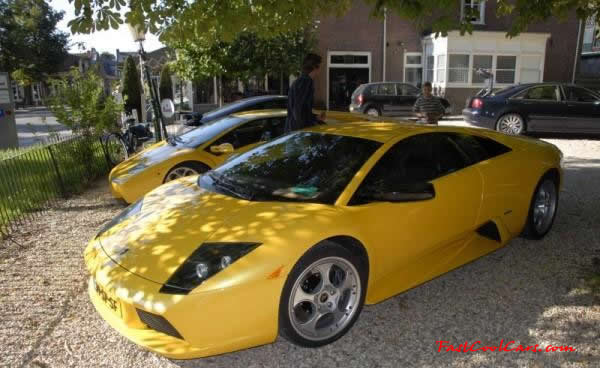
(185,169)
(543,208)
(323,295)
(512,124)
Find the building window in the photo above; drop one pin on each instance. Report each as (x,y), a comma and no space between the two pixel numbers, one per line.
(473,11)
(349,59)
(481,62)
(505,69)
(413,68)
(441,69)
(591,36)
(531,69)
(458,69)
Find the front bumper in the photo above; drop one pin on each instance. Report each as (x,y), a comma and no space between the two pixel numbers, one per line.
(474,117)
(357,109)
(210,323)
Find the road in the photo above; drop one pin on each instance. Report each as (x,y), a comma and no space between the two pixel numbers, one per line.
(37,125)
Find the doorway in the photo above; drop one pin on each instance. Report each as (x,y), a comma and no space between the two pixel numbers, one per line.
(346,70)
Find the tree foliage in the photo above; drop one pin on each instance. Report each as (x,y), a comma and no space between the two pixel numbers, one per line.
(165,89)
(213,21)
(31,47)
(132,87)
(79,102)
(247,55)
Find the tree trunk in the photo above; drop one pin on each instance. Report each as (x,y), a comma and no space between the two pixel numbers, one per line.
(281,82)
(220,87)
(28,95)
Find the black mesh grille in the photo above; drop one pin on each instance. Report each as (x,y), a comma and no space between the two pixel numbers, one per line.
(158,323)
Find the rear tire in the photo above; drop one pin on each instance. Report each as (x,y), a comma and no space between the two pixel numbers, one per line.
(188,168)
(512,124)
(323,295)
(372,111)
(542,209)
(116,149)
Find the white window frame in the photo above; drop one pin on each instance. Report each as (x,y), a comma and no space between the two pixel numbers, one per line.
(413,66)
(464,3)
(349,66)
(468,68)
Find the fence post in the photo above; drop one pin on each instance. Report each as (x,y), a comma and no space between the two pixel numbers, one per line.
(57,171)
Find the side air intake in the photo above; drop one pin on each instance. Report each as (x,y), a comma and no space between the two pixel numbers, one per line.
(490,230)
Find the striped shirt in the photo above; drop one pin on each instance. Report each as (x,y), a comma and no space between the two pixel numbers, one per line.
(430,104)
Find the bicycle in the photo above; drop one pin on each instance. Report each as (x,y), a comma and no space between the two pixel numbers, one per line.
(121,144)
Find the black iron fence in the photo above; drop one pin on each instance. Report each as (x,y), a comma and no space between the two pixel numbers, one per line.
(32,181)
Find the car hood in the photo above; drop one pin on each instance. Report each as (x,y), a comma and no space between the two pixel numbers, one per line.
(151,156)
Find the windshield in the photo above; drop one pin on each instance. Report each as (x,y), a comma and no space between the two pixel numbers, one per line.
(299,167)
(231,108)
(204,133)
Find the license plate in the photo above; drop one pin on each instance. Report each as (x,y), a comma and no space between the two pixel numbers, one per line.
(112,303)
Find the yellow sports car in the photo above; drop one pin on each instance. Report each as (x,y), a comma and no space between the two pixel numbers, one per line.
(294,236)
(201,149)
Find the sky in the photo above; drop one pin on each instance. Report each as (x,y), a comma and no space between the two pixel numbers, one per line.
(108,41)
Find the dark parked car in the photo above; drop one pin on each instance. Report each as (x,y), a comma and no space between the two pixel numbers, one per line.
(245,104)
(537,107)
(387,99)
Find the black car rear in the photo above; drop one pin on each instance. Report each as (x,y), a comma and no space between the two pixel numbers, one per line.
(537,107)
(387,99)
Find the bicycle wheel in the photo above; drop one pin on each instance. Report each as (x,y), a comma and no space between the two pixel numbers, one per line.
(116,149)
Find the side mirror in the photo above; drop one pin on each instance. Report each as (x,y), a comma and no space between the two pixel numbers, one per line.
(404,193)
(222,148)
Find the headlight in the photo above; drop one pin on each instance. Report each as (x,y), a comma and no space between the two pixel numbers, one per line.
(132,210)
(206,261)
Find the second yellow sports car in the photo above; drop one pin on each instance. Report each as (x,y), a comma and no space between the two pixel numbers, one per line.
(293,237)
(202,149)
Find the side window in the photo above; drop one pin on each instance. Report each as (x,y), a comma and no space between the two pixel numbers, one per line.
(386,89)
(274,129)
(479,148)
(246,134)
(577,94)
(407,90)
(545,93)
(417,159)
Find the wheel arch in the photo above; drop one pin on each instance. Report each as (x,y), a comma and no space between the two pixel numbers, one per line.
(355,246)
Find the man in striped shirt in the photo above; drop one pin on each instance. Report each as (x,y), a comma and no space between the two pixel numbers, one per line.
(428,108)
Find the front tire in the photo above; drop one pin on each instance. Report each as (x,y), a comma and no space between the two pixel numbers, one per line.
(512,124)
(323,295)
(543,208)
(184,169)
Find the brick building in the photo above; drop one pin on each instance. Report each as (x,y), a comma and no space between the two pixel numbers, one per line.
(352,47)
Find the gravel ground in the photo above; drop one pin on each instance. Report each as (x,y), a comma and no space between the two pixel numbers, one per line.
(530,292)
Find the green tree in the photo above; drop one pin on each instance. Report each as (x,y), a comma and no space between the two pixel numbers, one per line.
(246,56)
(80,103)
(132,87)
(217,20)
(31,47)
(165,89)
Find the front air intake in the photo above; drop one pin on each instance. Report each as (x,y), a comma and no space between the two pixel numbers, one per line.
(158,323)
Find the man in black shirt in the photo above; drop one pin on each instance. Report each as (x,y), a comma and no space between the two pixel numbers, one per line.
(301,95)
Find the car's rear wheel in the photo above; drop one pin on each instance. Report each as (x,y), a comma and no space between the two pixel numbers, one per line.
(513,124)
(323,295)
(373,111)
(185,169)
(543,208)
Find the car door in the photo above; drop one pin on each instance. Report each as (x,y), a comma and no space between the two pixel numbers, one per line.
(406,98)
(583,109)
(414,241)
(248,136)
(541,106)
(385,98)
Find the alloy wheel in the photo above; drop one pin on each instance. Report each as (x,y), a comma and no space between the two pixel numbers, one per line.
(180,172)
(544,206)
(511,124)
(324,298)
(373,112)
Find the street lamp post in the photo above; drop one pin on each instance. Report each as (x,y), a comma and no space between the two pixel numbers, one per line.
(139,35)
